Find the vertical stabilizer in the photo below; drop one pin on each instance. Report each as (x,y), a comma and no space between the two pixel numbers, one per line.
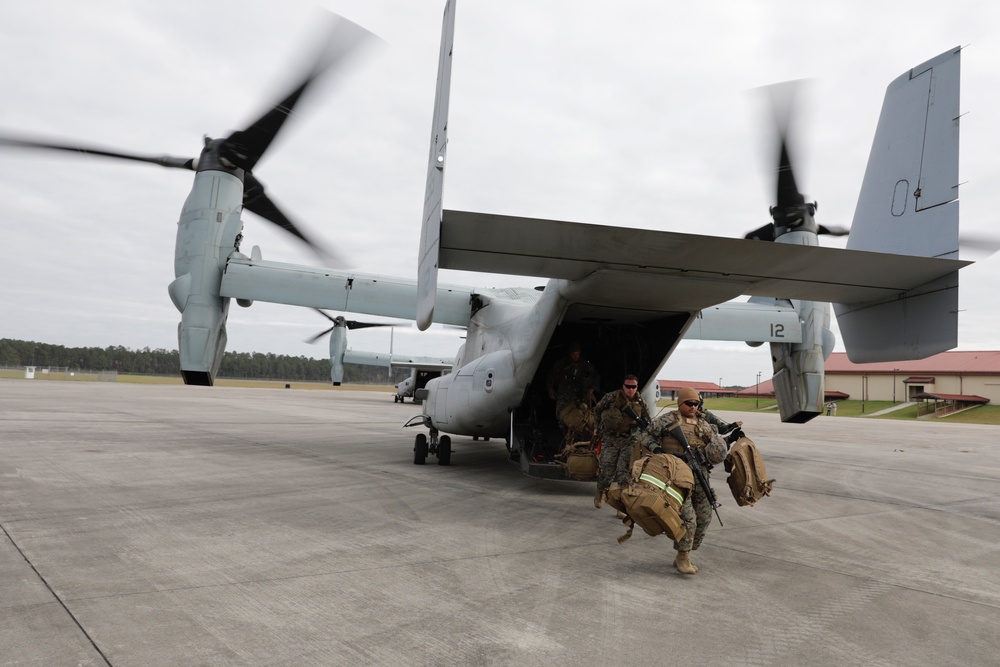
(908,205)
(430,232)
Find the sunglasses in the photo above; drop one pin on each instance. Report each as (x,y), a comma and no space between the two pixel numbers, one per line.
(631,386)
(691,404)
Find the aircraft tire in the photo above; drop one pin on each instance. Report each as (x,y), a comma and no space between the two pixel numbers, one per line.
(420,449)
(444,451)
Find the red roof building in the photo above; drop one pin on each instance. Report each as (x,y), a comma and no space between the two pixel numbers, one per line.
(961,379)
(670,388)
(972,375)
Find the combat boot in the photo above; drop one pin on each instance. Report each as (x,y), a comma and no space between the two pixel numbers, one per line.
(683,563)
(599,498)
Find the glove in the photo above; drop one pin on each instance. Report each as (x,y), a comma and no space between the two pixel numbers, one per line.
(658,450)
(734,436)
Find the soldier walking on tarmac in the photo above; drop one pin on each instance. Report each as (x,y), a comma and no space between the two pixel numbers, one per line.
(696,513)
(619,415)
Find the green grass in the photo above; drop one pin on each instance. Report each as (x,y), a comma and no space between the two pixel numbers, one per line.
(986,414)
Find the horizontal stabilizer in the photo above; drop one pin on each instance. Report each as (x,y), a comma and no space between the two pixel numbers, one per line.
(923,322)
(571,250)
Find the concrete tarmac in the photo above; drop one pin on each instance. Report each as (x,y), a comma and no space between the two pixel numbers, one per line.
(170,525)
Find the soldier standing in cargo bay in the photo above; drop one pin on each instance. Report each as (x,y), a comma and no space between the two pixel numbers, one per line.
(619,416)
(572,379)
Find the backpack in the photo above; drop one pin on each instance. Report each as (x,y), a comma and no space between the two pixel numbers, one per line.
(747,475)
(580,461)
(578,418)
(660,485)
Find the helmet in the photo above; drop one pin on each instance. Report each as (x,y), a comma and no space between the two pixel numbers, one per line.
(687,394)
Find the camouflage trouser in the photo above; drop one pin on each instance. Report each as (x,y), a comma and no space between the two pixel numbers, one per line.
(616,461)
(696,513)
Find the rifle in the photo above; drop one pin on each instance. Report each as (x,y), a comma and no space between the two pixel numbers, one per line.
(641,422)
(696,459)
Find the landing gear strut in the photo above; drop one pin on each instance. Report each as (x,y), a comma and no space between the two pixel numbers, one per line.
(439,446)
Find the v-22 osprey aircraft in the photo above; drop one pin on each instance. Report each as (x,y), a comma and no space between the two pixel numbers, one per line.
(628,296)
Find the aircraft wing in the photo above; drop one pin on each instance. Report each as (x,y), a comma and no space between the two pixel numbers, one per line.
(747,322)
(255,279)
(396,360)
(570,250)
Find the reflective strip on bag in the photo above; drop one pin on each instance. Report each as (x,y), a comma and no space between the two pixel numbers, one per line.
(649,479)
(669,490)
(675,494)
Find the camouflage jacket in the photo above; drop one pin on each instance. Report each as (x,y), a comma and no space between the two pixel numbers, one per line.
(698,432)
(611,414)
(572,380)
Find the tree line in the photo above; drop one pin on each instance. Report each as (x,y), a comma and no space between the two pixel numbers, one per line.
(249,365)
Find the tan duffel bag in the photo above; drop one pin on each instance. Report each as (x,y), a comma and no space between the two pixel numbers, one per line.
(660,485)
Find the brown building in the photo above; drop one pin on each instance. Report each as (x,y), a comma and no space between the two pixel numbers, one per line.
(946,382)
(952,374)
(670,388)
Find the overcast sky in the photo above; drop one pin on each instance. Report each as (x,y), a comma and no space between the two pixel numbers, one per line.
(640,113)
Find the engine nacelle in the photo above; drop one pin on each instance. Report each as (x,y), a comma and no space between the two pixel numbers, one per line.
(799,367)
(338,345)
(207,234)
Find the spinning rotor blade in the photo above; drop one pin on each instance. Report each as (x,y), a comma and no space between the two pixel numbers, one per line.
(255,199)
(762,233)
(317,337)
(833,230)
(790,211)
(341,321)
(162,160)
(354,324)
(244,148)
(787,197)
(979,245)
(787,194)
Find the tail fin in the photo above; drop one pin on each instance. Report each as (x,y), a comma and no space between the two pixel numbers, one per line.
(430,233)
(909,206)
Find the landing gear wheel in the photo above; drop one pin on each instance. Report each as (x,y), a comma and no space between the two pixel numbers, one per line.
(420,449)
(395,398)
(444,451)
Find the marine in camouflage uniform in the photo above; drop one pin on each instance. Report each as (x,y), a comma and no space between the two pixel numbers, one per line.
(571,379)
(696,512)
(619,432)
